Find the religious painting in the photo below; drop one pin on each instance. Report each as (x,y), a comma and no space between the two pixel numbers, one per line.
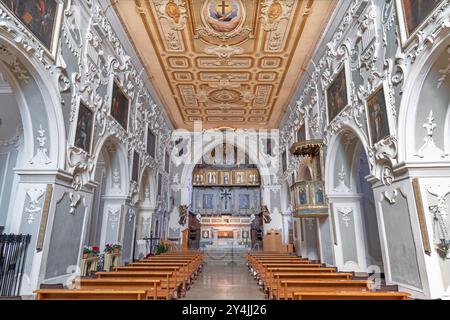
(205,234)
(245,234)
(40,17)
(244,201)
(303,195)
(151,143)
(135,169)
(83,133)
(207,201)
(120,105)
(337,97)
(301,133)
(319,198)
(377,116)
(415,12)
(223,15)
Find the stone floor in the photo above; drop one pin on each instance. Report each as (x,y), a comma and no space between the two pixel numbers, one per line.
(224,283)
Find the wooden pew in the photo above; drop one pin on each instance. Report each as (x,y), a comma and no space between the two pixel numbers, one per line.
(69,294)
(168,280)
(288,287)
(149,285)
(276,278)
(370,295)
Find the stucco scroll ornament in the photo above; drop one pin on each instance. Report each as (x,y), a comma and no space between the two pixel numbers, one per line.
(429,149)
(382,157)
(33,207)
(41,158)
(391,197)
(82,165)
(131,214)
(133,189)
(183,214)
(74,201)
(440,215)
(265,214)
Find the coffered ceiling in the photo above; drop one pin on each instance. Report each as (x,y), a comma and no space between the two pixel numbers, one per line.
(232,63)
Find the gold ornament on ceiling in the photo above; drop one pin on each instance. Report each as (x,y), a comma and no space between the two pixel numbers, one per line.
(228,63)
(173,11)
(275,11)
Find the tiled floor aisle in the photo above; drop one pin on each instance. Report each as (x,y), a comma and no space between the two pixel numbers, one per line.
(224,283)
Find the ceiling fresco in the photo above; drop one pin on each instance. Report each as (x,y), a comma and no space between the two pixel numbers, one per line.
(228,63)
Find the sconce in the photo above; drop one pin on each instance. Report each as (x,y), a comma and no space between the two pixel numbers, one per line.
(443,236)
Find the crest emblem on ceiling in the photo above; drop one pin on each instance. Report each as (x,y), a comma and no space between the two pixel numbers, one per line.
(223,15)
(223,18)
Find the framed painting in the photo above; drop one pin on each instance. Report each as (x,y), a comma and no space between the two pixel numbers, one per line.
(205,234)
(120,105)
(303,195)
(83,131)
(244,201)
(413,14)
(207,201)
(135,169)
(301,133)
(337,95)
(41,17)
(319,194)
(245,234)
(377,116)
(151,143)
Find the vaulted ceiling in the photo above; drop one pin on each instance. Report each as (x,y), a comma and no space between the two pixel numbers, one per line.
(228,63)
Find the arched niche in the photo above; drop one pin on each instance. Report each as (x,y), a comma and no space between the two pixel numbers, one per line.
(427,89)
(354,229)
(111,177)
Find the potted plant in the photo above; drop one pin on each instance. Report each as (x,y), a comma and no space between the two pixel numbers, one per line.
(95,250)
(86,252)
(108,248)
(162,248)
(117,247)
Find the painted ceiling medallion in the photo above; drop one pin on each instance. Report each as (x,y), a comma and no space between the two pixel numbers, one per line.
(224,15)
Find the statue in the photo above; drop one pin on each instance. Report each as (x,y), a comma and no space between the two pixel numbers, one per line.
(183,214)
(265,214)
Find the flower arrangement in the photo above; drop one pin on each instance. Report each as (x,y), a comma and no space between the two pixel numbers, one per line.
(117,247)
(110,248)
(90,251)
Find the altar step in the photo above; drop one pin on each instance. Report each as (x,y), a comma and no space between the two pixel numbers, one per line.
(225,256)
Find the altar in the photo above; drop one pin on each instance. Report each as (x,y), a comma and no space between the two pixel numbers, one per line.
(225,231)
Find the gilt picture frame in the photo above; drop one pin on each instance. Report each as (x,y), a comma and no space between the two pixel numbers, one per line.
(413,15)
(43,19)
(337,93)
(377,115)
(120,105)
(84,128)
